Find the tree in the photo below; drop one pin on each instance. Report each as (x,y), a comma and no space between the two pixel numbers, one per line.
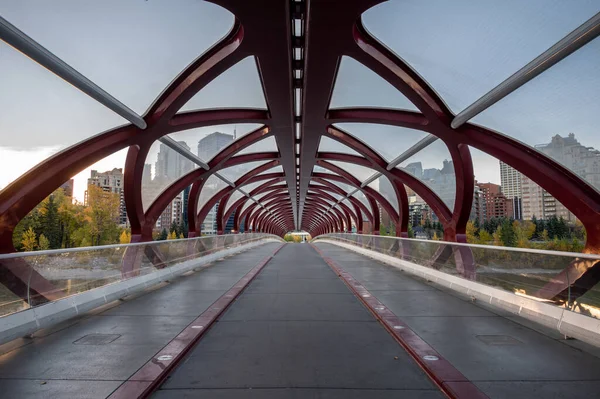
(545,236)
(172,236)
(102,216)
(472,233)
(485,237)
(28,240)
(43,243)
(50,223)
(524,230)
(125,237)
(498,236)
(411,233)
(174,228)
(435,236)
(507,234)
(181,236)
(163,235)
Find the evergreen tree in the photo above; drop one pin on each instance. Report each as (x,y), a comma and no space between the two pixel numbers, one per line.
(536,232)
(43,243)
(163,235)
(507,233)
(28,240)
(51,228)
(411,233)
(174,228)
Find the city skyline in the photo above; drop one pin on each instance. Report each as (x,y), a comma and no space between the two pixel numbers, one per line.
(44,110)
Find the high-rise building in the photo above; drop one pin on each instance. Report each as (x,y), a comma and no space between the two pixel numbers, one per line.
(478,207)
(539,203)
(210,145)
(147,173)
(112,182)
(496,204)
(510,182)
(68,187)
(415,169)
(583,161)
(170,164)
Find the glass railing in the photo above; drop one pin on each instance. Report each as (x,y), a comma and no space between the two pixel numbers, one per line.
(561,278)
(29,279)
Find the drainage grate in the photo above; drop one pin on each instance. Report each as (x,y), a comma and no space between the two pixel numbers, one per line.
(97,339)
(498,340)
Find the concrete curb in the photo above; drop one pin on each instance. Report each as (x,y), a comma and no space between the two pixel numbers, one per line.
(568,323)
(28,321)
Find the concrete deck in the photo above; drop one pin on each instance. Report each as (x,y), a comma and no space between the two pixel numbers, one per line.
(505,356)
(91,356)
(297,331)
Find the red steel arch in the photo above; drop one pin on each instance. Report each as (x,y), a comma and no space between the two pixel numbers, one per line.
(266,36)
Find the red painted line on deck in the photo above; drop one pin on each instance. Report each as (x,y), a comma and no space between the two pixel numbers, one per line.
(153,373)
(450,381)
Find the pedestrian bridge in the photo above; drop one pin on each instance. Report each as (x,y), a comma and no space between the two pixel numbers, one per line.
(263,117)
(346,316)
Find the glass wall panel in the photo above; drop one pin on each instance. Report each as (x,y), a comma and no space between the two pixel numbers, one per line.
(95,195)
(237,87)
(388,141)
(206,142)
(133,61)
(358,86)
(465,48)
(433,166)
(557,113)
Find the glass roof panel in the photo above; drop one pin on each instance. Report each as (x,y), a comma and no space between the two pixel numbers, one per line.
(358,171)
(211,187)
(247,188)
(433,166)
(362,198)
(358,86)
(233,173)
(206,142)
(163,166)
(313,194)
(133,60)
(236,195)
(485,166)
(335,195)
(268,144)
(237,87)
(344,186)
(246,205)
(557,113)
(320,169)
(465,48)
(388,141)
(384,187)
(275,169)
(41,115)
(330,145)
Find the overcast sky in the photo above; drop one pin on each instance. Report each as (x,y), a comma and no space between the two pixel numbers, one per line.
(134,48)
